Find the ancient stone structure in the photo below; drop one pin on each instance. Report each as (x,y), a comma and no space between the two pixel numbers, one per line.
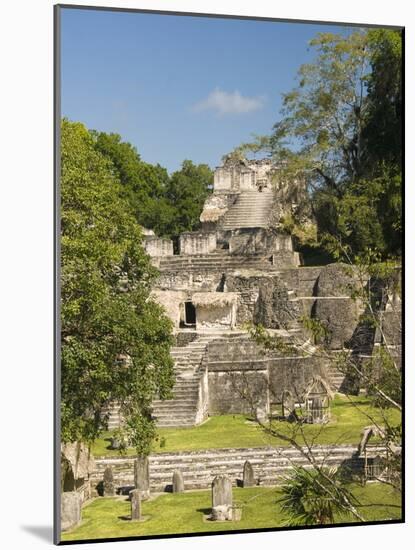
(221,498)
(248,479)
(242,268)
(70,510)
(135,499)
(271,465)
(178,482)
(109,487)
(142,476)
(76,467)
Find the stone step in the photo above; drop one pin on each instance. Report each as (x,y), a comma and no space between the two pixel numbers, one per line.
(177,408)
(249,210)
(199,467)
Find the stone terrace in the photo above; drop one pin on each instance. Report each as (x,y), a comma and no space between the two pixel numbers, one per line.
(199,468)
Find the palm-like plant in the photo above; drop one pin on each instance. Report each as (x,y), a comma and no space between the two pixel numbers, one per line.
(315,496)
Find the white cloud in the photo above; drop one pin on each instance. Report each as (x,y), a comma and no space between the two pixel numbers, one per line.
(226,103)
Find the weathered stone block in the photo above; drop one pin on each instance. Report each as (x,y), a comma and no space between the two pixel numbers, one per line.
(221,491)
(178,482)
(135,499)
(142,476)
(197,243)
(70,510)
(222,513)
(109,486)
(157,247)
(248,479)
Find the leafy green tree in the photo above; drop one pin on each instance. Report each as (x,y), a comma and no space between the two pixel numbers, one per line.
(143,185)
(320,131)
(187,191)
(168,205)
(115,338)
(383,131)
(340,131)
(383,124)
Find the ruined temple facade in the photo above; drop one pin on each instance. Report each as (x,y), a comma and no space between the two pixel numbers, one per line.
(241,268)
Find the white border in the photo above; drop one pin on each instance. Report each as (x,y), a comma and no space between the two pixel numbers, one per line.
(27,280)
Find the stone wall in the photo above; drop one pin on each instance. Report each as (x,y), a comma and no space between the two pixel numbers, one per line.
(259,241)
(243,376)
(243,175)
(293,374)
(216,206)
(337,311)
(264,299)
(197,243)
(156,247)
(270,464)
(219,317)
(203,279)
(172,301)
(236,391)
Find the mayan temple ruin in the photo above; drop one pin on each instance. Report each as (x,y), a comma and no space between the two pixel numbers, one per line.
(242,269)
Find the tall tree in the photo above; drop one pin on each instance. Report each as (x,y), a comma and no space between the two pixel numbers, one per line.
(143,185)
(168,205)
(383,124)
(323,116)
(340,130)
(115,339)
(187,191)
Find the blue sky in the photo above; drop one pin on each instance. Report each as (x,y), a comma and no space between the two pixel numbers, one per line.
(179,87)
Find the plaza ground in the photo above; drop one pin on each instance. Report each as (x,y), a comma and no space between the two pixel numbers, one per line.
(186,512)
(349,415)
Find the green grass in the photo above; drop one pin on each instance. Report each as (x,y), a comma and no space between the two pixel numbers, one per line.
(184,512)
(226,431)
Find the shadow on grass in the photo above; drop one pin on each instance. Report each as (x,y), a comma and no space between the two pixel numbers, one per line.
(204,511)
(346,403)
(128,518)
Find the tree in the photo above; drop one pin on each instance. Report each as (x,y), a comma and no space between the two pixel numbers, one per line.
(321,126)
(115,338)
(168,205)
(340,131)
(383,125)
(143,185)
(383,131)
(187,191)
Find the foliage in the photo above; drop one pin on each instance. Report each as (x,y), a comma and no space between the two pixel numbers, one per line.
(143,185)
(187,191)
(304,234)
(168,205)
(315,497)
(340,131)
(115,339)
(383,125)
(324,114)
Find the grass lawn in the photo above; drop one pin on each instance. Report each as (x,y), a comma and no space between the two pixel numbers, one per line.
(227,431)
(184,512)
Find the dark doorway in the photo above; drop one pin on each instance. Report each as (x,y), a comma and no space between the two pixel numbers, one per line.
(189,314)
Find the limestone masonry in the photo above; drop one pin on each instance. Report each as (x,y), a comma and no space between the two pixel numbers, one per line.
(242,268)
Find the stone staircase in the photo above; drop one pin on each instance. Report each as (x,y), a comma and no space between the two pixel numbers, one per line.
(199,468)
(336,378)
(183,409)
(251,209)
(114,416)
(215,261)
